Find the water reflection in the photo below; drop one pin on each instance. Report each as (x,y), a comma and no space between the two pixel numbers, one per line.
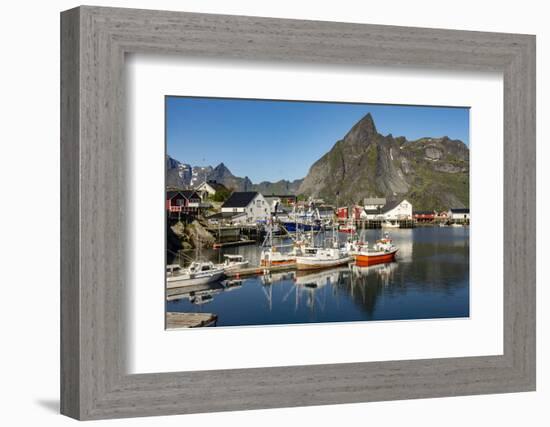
(428,280)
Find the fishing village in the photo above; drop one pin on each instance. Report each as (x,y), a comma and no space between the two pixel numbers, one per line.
(341,225)
(309,241)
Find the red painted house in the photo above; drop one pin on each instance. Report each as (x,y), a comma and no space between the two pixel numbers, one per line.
(184,201)
(342,213)
(348,213)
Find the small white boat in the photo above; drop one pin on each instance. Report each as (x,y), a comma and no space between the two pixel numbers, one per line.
(318,258)
(233,262)
(198,273)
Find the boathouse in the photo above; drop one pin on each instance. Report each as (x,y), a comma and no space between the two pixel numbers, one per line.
(183,201)
(251,203)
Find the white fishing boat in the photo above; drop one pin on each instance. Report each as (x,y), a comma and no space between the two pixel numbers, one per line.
(318,258)
(276,254)
(233,262)
(273,256)
(198,273)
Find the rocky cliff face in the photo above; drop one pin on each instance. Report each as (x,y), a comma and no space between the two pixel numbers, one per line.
(432,173)
(178,174)
(223,175)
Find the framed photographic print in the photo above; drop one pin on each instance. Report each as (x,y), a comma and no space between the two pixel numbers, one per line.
(289,233)
(328,212)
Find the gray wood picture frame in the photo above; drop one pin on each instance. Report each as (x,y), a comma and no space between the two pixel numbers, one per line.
(94,381)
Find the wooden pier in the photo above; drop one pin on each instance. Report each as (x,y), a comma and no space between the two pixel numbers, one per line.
(219,245)
(175,320)
(259,270)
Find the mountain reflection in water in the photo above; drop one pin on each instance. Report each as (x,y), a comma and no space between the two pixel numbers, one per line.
(430,279)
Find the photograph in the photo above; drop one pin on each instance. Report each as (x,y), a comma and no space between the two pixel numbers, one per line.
(282,212)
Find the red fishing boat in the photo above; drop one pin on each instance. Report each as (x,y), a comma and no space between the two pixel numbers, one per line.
(382,251)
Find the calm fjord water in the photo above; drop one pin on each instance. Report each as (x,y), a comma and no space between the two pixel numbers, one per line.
(430,279)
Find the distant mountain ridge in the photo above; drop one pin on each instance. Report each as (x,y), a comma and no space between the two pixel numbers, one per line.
(432,173)
(183,175)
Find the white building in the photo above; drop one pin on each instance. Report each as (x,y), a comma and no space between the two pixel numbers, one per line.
(372,203)
(210,188)
(250,203)
(391,211)
(456,214)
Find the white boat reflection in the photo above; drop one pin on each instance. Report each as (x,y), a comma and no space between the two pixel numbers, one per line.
(197,294)
(320,278)
(384,271)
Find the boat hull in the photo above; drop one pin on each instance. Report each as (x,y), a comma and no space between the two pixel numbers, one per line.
(291,227)
(363,260)
(347,230)
(311,263)
(235,266)
(267,263)
(176,282)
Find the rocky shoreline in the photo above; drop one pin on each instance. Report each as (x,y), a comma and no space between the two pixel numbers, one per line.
(185,237)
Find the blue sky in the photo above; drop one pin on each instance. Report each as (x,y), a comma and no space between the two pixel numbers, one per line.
(272,140)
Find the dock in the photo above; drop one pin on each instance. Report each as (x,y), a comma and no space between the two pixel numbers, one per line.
(175,320)
(259,270)
(219,245)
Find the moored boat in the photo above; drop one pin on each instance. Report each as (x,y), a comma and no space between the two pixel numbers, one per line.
(319,258)
(233,262)
(198,273)
(291,227)
(272,256)
(382,251)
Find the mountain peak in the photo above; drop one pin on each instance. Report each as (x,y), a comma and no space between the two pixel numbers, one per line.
(363,130)
(221,167)
(367,123)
